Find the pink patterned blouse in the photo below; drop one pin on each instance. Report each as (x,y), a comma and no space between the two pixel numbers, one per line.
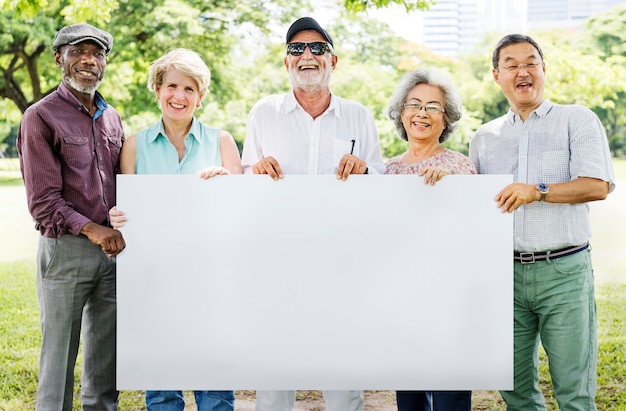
(453,161)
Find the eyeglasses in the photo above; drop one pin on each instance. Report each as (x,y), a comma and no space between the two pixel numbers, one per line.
(518,67)
(317,48)
(429,108)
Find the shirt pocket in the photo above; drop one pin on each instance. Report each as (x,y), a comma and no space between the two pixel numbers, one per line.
(341,147)
(77,151)
(115,147)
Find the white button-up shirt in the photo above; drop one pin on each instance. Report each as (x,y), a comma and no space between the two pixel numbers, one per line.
(279,127)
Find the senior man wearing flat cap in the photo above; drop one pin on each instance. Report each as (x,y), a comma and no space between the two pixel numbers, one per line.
(69,144)
(310,130)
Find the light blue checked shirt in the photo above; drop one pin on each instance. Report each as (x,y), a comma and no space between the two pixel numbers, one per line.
(556,144)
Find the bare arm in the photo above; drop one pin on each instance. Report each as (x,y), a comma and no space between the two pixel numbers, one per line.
(581,190)
(230,153)
(128,156)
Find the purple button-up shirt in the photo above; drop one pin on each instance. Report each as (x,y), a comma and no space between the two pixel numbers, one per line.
(69,160)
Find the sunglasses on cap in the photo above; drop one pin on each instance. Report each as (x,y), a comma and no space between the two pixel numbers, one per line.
(317,48)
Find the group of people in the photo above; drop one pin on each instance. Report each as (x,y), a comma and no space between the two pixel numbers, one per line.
(72,144)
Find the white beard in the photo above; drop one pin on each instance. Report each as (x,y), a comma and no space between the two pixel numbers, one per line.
(309,81)
(80,87)
(76,84)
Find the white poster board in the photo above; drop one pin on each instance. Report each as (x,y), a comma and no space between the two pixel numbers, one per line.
(379,282)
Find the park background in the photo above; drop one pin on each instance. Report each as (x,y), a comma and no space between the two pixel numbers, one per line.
(243,44)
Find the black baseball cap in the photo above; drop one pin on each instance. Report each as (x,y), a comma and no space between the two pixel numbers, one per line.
(307,23)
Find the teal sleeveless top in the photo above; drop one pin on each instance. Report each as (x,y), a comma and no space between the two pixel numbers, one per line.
(157,155)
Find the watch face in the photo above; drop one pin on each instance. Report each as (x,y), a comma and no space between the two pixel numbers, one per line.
(542,187)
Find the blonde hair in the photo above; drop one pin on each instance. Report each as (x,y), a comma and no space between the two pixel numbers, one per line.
(187,62)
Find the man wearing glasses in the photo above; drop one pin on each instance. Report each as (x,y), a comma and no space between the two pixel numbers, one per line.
(310,131)
(560,160)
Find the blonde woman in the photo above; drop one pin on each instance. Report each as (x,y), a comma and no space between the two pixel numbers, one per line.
(180,144)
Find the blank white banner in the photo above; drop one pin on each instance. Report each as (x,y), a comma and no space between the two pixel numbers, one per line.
(380,282)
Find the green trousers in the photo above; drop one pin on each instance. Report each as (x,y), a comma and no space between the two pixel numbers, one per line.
(555,305)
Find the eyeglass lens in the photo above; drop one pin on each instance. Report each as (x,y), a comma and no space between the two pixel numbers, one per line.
(429,108)
(317,48)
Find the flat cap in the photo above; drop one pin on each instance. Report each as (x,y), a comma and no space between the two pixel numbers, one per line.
(77,33)
(307,23)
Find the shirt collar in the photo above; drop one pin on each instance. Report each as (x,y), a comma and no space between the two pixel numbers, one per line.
(291,104)
(195,130)
(67,95)
(544,108)
(540,111)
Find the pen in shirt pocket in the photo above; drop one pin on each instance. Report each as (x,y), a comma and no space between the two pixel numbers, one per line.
(352,148)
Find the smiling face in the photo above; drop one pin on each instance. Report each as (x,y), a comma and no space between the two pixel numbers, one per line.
(421,126)
(82,66)
(523,87)
(309,72)
(178,95)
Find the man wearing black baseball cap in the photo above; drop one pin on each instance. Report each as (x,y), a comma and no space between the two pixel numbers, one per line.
(310,130)
(69,144)
(307,23)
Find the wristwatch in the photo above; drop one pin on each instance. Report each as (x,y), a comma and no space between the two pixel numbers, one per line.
(543,190)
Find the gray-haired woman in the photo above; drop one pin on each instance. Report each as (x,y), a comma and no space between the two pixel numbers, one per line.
(426,109)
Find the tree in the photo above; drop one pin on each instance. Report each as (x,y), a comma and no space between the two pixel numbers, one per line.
(363,5)
(142,32)
(606,34)
(606,31)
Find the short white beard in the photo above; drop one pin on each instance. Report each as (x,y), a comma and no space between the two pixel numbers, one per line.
(77,85)
(80,87)
(307,83)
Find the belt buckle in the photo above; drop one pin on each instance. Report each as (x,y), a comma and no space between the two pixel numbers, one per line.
(527,258)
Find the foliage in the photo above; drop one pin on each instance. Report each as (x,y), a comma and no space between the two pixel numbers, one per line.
(220,30)
(85,10)
(606,31)
(242,42)
(605,35)
(363,5)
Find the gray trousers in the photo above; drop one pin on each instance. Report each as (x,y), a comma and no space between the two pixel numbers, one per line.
(76,287)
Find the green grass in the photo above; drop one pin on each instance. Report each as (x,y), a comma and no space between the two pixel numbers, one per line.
(19,319)
(19,349)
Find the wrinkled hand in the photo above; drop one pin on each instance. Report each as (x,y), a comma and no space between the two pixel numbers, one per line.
(212,172)
(117,218)
(268,165)
(350,164)
(433,174)
(110,240)
(514,195)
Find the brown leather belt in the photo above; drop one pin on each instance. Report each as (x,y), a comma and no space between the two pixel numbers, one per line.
(531,257)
